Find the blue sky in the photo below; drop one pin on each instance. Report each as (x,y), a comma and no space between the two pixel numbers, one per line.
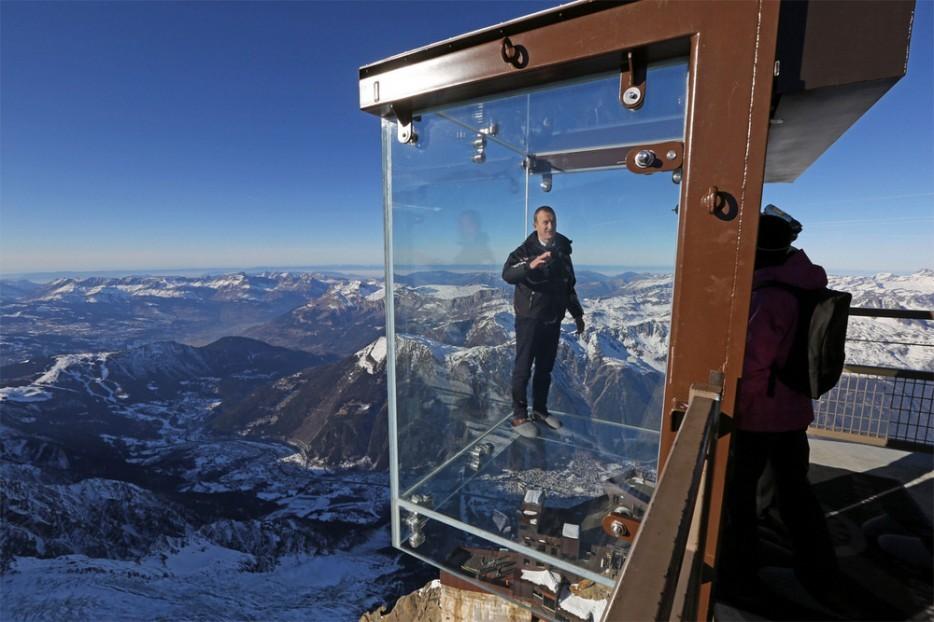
(146,136)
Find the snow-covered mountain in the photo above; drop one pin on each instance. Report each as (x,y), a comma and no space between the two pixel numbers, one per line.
(888,342)
(347,316)
(212,480)
(109,472)
(69,315)
(239,286)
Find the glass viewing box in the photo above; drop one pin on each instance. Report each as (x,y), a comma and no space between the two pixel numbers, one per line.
(476,499)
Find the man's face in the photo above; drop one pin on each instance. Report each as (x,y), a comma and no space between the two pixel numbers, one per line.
(545,225)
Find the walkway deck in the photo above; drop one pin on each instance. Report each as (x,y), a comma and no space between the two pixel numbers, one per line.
(879,503)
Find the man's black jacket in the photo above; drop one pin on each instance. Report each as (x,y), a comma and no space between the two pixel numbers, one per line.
(547,292)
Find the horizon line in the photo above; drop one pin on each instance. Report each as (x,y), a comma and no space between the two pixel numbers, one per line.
(49,275)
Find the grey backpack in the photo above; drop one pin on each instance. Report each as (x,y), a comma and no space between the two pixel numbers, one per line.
(818,353)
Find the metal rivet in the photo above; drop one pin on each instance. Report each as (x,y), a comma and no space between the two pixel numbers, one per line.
(672,154)
(676,176)
(632,95)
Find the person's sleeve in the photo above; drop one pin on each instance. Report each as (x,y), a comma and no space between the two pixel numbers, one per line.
(770,325)
(516,267)
(574,303)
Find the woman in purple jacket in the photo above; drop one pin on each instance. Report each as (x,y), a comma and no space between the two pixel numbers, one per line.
(772,419)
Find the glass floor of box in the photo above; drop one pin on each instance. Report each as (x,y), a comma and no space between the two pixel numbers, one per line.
(482,492)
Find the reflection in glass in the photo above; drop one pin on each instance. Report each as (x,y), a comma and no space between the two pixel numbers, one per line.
(473,497)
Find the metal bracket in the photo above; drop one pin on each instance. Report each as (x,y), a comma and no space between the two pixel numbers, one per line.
(656,157)
(405,132)
(632,82)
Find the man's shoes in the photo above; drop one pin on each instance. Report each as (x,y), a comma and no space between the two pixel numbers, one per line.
(547,418)
(523,426)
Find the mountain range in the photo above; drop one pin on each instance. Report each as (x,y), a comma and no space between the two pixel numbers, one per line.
(232,430)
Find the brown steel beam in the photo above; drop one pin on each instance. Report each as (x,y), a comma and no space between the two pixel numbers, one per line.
(588,44)
(561,13)
(727,135)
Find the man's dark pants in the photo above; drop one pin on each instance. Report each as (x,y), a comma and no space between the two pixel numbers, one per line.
(536,342)
(789,453)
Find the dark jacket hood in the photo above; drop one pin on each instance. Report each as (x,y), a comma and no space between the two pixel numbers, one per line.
(562,243)
(797,271)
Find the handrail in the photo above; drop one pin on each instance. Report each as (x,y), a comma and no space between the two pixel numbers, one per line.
(871,370)
(902,314)
(649,585)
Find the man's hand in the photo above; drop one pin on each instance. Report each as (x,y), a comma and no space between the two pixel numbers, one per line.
(541,260)
(579,322)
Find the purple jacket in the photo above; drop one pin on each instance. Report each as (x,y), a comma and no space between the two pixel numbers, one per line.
(773,319)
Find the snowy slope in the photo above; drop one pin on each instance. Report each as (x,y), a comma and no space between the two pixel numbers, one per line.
(200,580)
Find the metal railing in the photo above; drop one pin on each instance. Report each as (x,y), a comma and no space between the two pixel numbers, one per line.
(662,575)
(881,405)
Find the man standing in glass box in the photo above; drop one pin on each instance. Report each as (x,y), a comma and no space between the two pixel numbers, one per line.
(543,274)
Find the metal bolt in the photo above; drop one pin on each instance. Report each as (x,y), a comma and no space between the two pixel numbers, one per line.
(676,176)
(672,154)
(632,95)
(645,158)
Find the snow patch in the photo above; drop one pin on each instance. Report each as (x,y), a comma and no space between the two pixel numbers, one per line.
(372,357)
(546,578)
(583,608)
(450,292)
(24,394)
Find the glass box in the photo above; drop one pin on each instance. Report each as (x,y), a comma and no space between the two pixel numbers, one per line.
(529,518)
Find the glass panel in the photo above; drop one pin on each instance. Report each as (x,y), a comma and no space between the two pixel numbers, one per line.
(461,199)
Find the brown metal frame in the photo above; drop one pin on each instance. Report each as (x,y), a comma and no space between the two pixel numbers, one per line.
(731,45)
